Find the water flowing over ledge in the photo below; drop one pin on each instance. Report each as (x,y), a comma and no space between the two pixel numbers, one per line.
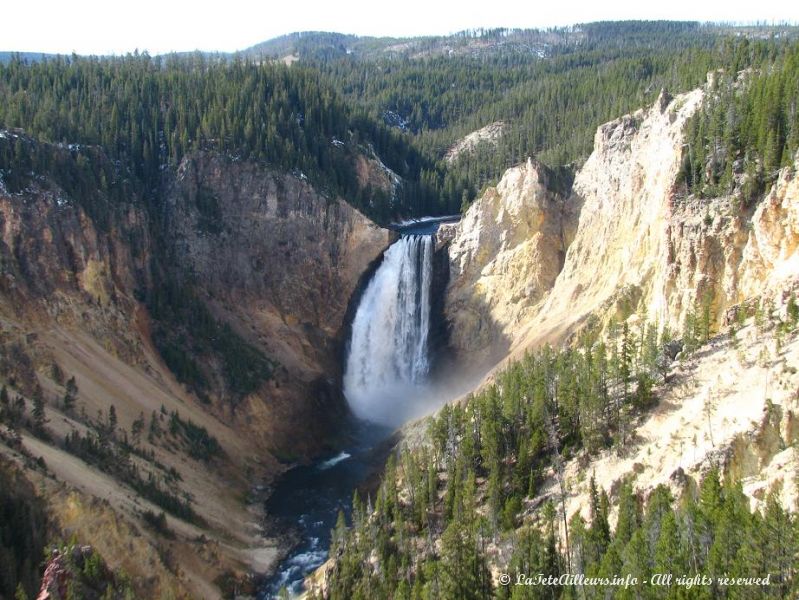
(388,360)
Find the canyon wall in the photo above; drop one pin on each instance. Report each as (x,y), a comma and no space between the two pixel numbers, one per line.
(81,258)
(504,256)
(278,261)
(530,266)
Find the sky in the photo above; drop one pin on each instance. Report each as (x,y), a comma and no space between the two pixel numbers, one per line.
(158,26)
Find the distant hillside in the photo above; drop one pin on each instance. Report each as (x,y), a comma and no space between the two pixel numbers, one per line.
(27,56)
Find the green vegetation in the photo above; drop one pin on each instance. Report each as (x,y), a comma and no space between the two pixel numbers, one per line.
(445,507)
(82,173)
(550,106)
(749,126)
(201,444)
(23,533)
(188,337)
(86,576)
(551,89)
(710,532)
(150,112)
(541,409)
(158,523)
(98,446)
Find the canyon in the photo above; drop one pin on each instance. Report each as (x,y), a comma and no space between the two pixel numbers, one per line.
(540,258)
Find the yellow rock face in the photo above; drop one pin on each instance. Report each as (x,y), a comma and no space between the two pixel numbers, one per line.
(504,257)
(637,247)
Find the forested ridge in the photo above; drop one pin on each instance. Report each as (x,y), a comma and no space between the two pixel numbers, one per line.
(551,107)
(347,95)
(150,112)
(747,129)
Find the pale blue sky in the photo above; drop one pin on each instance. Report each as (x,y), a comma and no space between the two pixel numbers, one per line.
(105,26)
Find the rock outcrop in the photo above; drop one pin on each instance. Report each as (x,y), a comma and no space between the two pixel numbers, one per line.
(489,135)
(504,257)
(770,260)
(620,257)
(640,245)
(73,263)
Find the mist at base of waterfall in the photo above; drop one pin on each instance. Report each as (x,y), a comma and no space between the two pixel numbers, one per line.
(397,405)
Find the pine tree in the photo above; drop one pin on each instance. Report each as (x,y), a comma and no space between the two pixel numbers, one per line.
(136,429)
(464,571)
(338,536)
(780,546)
(629,518)
(668,555)
(155,428)
(792,310)
(38,413)
(636,561)
(112,421)
(70,395)
(599,531)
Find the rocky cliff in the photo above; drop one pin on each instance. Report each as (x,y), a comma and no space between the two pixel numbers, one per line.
(643,249)
(82,256)
(280,262)
(68,261)
(640,245)
(505,255)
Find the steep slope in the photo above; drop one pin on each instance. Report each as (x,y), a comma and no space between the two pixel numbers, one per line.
(504,257)
(733,405)
(620,250)
(730,408)
(640,246)
(279,262)
(275,263)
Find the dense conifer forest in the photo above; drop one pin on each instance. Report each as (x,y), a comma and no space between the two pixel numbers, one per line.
(442,503)
(550,89)
(150,112)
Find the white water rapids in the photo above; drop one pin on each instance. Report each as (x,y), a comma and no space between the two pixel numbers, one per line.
(388,359)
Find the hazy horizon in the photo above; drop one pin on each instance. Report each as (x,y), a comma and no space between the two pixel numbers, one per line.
(88,27)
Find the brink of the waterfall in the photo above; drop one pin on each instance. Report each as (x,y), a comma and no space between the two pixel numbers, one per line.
(388,361)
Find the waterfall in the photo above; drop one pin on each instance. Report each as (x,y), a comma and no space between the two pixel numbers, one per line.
(388,359)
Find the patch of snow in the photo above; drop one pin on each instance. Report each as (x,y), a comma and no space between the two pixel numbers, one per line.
(394,119)
(337,143)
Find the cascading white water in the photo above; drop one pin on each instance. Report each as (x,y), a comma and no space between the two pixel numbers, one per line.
(388,360)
